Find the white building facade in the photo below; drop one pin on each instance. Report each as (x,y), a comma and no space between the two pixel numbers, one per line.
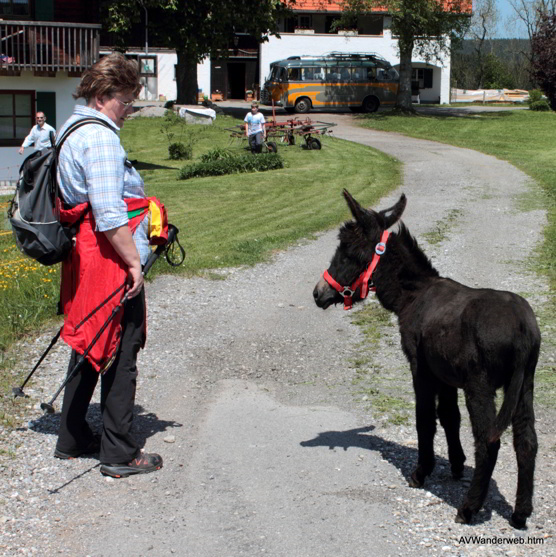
(41,64)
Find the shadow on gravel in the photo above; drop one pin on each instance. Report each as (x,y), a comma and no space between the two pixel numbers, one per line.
(440,483)
(145,424)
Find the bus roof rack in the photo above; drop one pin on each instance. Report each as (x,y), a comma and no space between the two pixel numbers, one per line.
(360,55)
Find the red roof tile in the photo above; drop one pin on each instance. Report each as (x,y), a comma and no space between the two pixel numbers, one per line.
(330,6)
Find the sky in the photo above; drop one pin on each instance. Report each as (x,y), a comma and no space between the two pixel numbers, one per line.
(507,30)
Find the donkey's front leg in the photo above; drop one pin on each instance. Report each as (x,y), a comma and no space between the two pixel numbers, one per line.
(425,392)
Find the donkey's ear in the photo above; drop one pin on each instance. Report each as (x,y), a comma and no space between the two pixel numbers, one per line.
(356,210)
(393,214)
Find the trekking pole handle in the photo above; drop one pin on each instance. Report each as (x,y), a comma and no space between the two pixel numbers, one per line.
(172,234)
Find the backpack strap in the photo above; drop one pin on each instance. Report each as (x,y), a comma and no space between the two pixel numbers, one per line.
(78,124)
(71,129)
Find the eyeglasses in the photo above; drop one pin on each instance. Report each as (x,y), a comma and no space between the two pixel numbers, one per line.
(126,104)
(38,118)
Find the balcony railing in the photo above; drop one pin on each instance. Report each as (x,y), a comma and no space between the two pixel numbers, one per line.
(45,46)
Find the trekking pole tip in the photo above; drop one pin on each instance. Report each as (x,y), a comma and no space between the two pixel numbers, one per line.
(18,391)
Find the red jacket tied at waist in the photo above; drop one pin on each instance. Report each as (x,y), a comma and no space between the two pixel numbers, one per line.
(90,275)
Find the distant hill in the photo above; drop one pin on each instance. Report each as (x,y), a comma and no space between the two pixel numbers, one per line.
(502,48)
(505,64)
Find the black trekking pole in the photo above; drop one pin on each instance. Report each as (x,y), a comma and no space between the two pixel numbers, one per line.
(48,407)
(18,391)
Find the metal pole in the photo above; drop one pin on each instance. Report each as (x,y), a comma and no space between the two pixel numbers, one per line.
(146,29)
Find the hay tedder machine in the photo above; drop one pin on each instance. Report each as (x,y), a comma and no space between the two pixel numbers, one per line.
(285,132)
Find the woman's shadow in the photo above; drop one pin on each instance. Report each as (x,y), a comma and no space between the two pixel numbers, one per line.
(145,424)
(440,483)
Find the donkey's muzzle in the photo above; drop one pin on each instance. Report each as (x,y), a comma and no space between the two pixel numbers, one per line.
(324,295)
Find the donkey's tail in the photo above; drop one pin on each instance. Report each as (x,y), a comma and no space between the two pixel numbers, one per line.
(513,393)
(507,410)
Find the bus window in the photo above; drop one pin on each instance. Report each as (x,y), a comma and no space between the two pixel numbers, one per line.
(294,74)
(277,73)
(358,74)
(371,73)
(333,74)
(345,74)
(386,74)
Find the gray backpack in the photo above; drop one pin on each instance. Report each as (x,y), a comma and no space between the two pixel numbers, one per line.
(35,221)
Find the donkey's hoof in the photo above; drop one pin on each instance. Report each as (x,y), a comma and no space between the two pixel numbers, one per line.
(414,481)
(464,516)
(518,522)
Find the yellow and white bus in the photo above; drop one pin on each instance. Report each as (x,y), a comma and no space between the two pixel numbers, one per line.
(356,80)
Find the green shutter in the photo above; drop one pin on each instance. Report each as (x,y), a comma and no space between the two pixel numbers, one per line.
(44,10)
(46,102)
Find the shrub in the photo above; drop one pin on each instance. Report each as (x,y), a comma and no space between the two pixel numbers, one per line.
(541,105)
(217,154)
(535,95)
(232,165)
(180,151)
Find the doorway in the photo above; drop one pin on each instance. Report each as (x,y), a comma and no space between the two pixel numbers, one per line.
(236,80)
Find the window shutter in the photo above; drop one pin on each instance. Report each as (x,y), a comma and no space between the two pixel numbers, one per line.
(46,102)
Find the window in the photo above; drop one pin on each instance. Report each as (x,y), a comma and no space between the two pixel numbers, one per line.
(15,8)
(421,77)
(16,116)
(312,74)
(147,65)
(294,74)
(304,22)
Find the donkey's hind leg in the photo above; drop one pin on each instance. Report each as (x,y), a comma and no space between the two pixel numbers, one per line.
(482,413)
(450,420)
(525,444)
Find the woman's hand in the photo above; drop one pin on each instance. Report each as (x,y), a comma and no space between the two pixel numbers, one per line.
(122,241)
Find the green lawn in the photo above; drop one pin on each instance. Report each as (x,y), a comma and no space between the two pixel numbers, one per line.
(525,138)
(224,221)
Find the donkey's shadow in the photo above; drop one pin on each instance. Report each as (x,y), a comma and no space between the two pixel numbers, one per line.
(440,483)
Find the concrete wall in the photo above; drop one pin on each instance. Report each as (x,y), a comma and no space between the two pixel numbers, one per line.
(63,86)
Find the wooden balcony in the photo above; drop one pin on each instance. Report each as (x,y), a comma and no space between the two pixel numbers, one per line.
(47,47)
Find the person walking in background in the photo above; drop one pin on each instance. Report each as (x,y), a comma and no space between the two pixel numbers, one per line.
(255,128)
(39,135)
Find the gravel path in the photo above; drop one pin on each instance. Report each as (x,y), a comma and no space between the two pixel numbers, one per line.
(247,391)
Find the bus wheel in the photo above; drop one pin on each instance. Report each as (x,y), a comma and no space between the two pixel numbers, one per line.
(302,105)
(370,104)
(315,144)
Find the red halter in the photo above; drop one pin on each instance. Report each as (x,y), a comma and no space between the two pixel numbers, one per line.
(362,281)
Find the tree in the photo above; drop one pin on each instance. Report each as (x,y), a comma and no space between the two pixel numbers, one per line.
(195,29)
(527,13)
(543,45)
(423,27)
(483,26)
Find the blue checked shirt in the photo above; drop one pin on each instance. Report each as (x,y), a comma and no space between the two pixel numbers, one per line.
(93,168)
(39,136)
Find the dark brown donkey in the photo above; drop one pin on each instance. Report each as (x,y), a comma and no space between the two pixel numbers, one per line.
(453,336)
